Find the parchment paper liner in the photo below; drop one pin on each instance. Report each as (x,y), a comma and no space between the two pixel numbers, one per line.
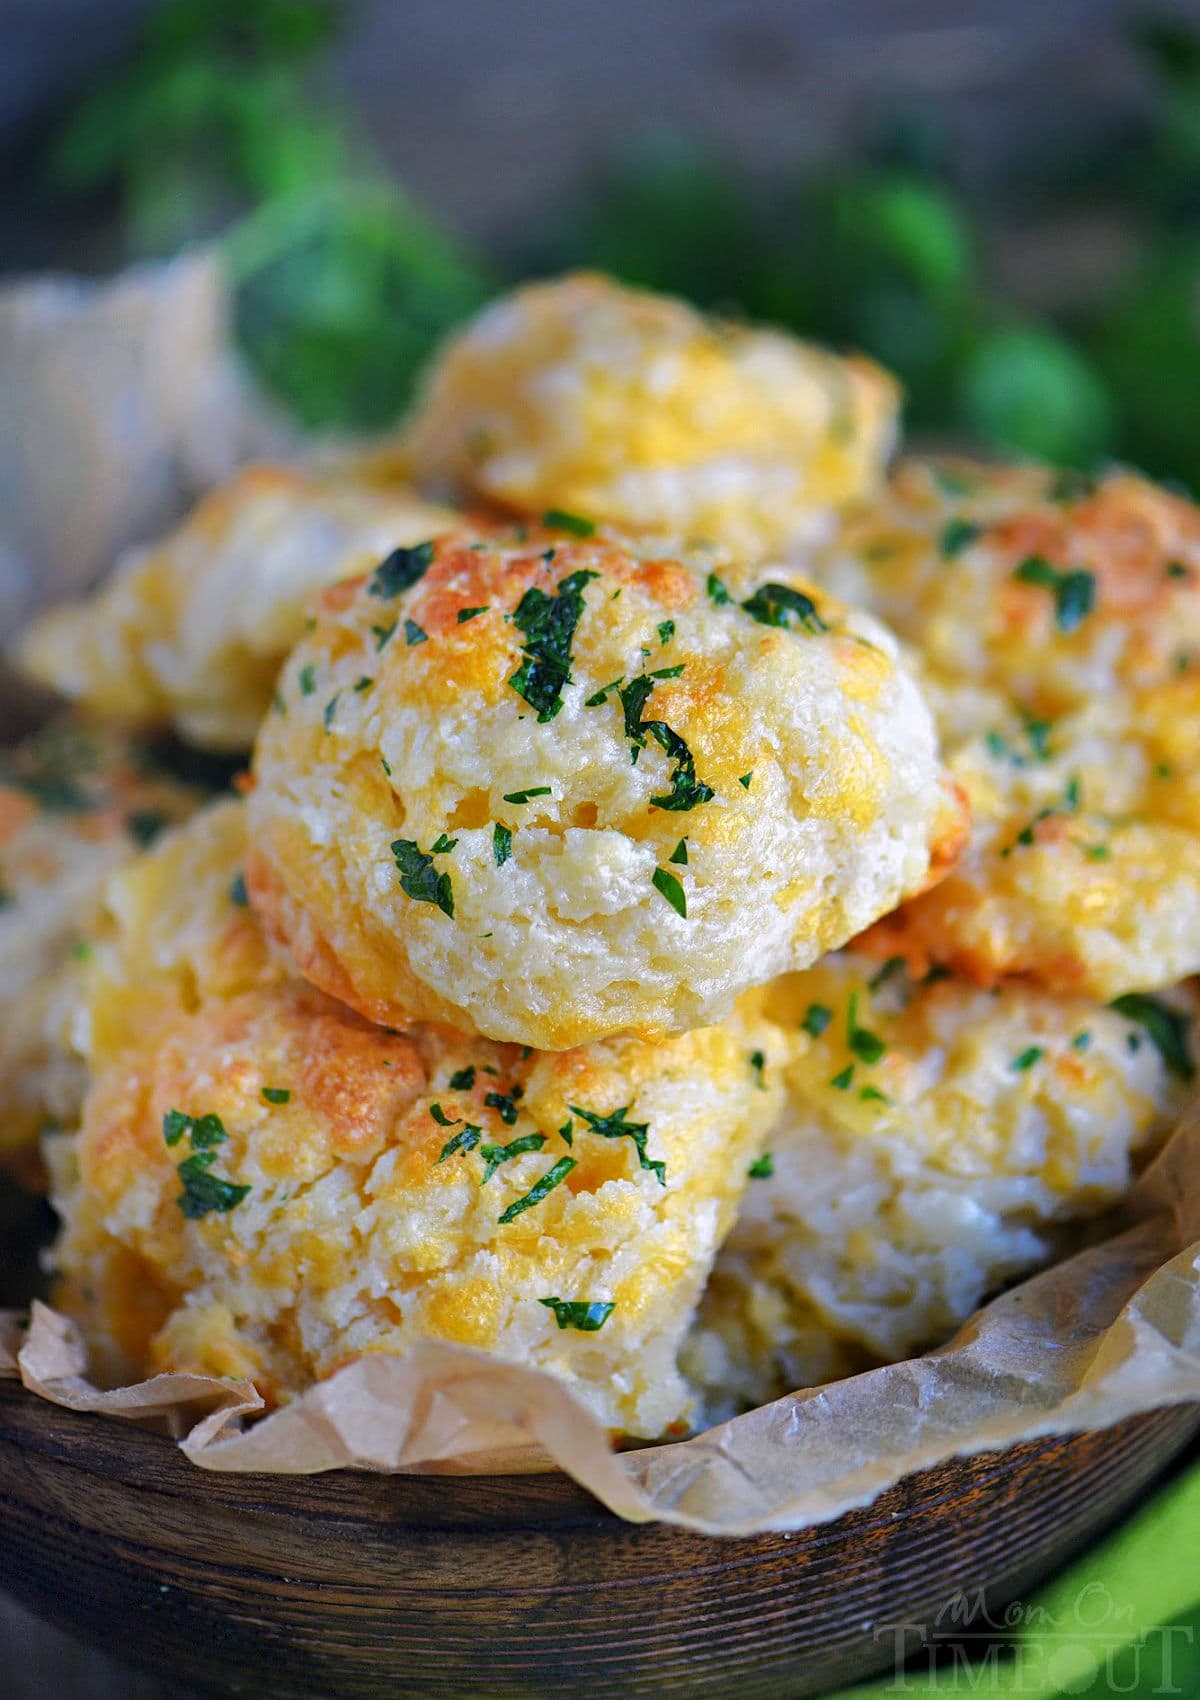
(1111,1332)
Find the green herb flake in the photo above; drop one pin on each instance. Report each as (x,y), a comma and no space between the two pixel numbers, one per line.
(441,1118)
(419,879)
(718,594)
(501,844)
(463,1079)
(466,1139)
(666,631)
(745,778)
(552,1178)
(384,634)
(1097,852)
(558,519)
(957,535)
(400,570)
(762,1167)
(1166,1028)
(779,605)
(308,680)
(237,890)
(548,623)
(386,765)
(872,1095)
(204,1192)
(465,614)
(680,853)
(1176,569)
(602,695)
(442,845)
(588,1316)
(615,1126)
(331,710)
(666,884)
(1027,1058)
(687,792)
(1081,1041)
(841,1082)
(864,1044)
(519,798)
(363,684)
(1074,592)
(144,826)
(505,1104)
(494,1155)
(758,1067)
(816,1019)
(277,1094)
(414,634)
(893,966)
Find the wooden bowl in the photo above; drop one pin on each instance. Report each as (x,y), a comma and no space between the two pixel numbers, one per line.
(352,1584)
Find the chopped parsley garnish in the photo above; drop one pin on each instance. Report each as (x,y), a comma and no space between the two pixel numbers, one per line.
(603,693)
(679,854)
(414,634)
(758,1065)
(505,1104)
(237,890)
(865,1045)
(1097,852)
(842,1081)
(202,1191)
(816,1019)
(666,884)
(717,591)
(549,624)
(586,1315)
(762,1167)
(521,797)
(1176,569)
(441,1118)
(363,684)
(1027,1058)
(1074,592)
(144,826)
(539,1190)
(277,1094)
(331,710)
(386,765)
(466,1139)
(384,634)
(463,1079)
(1038,734)
(308,680)
(615,1126)
(893,966)
(419,879)
(1081,1041)
(666,631)
(687,792)
(501,844)
(560,520)
(1166,1028)
(400,570)
(1068,806)
(872,1095)
(779,605)
(957,535)
(442,845)
(745,778)
(465,614)
(494,1155)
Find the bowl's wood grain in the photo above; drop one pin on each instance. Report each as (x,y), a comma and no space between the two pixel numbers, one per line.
(354,1585)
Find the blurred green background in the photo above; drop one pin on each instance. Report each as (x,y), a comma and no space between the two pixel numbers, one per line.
(1072,335)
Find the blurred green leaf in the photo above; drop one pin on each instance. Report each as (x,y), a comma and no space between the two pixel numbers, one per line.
(341,296)
(1031,392)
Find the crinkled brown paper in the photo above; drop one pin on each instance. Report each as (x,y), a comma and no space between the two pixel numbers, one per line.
(1112,1331)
